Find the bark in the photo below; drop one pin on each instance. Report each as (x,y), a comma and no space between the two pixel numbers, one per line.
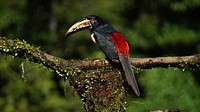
(100,86)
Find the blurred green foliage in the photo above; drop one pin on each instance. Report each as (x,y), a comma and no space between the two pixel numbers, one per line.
(152,29)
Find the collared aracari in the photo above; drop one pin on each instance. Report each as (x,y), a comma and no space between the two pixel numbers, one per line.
(111,42)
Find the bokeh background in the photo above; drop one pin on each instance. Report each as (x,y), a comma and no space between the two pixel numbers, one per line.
(153,28)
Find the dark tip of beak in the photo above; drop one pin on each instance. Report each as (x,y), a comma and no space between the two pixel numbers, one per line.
(80,25)
(67,34)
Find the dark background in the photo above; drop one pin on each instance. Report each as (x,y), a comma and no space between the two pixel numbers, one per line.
(152,28)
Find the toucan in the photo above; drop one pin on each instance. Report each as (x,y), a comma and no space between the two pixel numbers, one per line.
(111,42)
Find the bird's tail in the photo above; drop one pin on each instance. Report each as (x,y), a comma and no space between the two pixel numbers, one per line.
(126,64)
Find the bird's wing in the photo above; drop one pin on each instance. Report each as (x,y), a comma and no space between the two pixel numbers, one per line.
(104,40)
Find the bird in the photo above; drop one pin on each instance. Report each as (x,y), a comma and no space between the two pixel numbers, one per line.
(110,41)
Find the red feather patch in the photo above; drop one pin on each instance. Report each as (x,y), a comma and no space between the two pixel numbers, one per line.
(121,44)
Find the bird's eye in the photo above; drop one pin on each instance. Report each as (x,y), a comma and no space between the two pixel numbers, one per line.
(93,21)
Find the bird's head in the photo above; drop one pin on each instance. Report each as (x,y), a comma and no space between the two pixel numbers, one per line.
(89,22)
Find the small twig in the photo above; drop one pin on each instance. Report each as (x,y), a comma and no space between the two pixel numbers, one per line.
(22,67)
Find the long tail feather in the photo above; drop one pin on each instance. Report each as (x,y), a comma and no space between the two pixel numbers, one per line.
(126,64)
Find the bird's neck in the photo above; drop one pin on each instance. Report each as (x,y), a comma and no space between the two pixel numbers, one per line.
(94,29)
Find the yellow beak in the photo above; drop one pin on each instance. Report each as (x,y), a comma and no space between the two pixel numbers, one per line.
(78,26)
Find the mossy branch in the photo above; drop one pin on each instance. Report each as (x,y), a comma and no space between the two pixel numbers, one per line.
(24,50)
(99,85)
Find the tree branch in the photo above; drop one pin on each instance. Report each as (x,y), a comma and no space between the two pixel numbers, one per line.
(23,50)
(99,85)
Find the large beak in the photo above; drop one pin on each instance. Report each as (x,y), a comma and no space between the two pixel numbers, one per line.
(78,26)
